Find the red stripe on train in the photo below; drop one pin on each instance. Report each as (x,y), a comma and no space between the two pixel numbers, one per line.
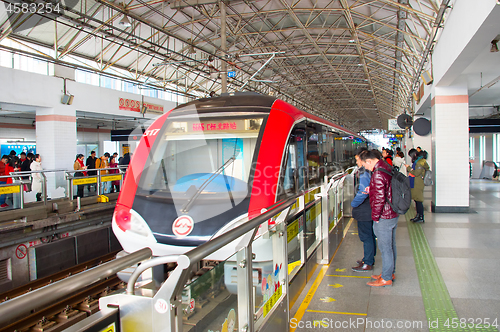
(137,163)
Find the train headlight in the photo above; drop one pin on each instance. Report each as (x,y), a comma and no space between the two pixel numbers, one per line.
(130,221)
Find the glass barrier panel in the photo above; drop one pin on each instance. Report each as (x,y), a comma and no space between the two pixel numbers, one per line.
(313,227)
(332,207)
(340,199)
(10,196)
(210,302)
(294,229)
(269,270)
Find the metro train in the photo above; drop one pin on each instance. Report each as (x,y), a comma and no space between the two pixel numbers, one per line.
(211,164)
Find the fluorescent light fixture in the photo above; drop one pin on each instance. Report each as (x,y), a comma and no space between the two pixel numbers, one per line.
(351,40)
(124,22)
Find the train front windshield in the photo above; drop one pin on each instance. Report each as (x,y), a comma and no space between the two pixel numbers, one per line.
(202,158)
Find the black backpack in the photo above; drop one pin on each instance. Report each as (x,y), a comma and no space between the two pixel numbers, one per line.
(401,191)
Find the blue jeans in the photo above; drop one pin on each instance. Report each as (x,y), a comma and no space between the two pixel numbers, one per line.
(385,230)
(366,235)
(2,197)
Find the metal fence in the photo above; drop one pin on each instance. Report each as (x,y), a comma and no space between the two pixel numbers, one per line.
(250,290)
(16,193)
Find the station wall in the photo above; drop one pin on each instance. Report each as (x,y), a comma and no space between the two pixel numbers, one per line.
(41,95)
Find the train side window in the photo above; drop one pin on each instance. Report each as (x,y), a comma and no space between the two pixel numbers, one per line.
(290,170)
(313,153)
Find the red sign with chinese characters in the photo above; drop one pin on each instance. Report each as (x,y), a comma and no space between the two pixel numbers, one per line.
(135,106)
(214,126)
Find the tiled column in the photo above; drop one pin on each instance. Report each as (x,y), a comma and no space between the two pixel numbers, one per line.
(56,143)
(450,145)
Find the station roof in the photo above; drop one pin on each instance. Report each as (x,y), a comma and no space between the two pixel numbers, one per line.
(355,62)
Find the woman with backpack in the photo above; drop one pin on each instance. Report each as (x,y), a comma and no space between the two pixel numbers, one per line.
(416,173)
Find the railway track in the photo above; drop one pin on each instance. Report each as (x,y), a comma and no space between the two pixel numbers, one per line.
(69,311)
(64,313)
(35,284)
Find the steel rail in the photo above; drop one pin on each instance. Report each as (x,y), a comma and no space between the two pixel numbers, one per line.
(41,282)
(24,304)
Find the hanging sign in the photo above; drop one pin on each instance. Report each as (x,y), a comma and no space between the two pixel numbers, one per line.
(135,106)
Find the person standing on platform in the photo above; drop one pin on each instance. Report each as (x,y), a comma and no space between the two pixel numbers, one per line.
(36,165)
(386,153)
(25,167)
(416,173)
(3,165)
(90,163)
(13,166)
(79,166)
(385,220)
(399,162)
(102,163)
(362,212)
(115,185)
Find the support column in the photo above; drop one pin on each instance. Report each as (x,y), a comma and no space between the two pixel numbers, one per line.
(56,144)
(450,145)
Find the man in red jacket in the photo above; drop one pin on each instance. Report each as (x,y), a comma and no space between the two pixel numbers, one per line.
(385,220)
(3,163)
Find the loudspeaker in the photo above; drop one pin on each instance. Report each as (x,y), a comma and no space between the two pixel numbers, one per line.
(67,99)
(422,127)
(427,77)
(404,121)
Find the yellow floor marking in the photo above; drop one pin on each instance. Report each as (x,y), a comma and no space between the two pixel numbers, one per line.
(340,270)
(338,275)
(327,299)
(335,285)
(303,306)
(310,294)
(337,312)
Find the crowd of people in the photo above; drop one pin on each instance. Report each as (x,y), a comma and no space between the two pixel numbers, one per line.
(377,220)
(107,164)
(104,165)
(22,163)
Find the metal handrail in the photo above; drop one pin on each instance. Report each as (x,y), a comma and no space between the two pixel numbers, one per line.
(24,304)
(197,254)
(19,176)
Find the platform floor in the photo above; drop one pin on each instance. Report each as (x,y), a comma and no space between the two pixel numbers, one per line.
(465,251)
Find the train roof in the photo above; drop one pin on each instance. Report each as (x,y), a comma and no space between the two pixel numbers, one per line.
(239,99)
(252,100)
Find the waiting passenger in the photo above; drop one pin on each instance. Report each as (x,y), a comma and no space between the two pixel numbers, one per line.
(115,185)
(399,162)
(12,166)
(3,164)
(416,173)
(102,163)
(125,160)
(386,153)
(79,166)
(36,165)
(90,163)
(362,212)
(384,217)
(25,167)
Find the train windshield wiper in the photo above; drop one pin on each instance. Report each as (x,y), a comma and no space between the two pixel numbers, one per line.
(198,191)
